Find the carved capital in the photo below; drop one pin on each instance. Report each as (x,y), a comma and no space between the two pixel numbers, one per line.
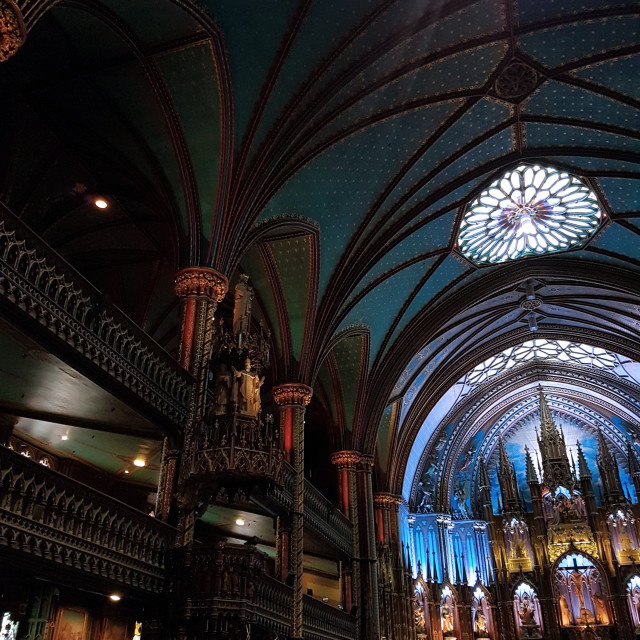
(201,281)
(346,459)
(292,393)
(366,462)
(12,31)
(387,500)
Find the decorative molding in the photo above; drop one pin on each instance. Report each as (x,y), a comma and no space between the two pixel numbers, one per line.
(346,459)
(292,393)
(386,500)
(201,281)
(12,29)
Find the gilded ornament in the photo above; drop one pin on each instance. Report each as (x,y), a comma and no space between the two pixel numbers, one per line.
(201,281)
(12,31)
(292,393)
(383,499)
(343,459)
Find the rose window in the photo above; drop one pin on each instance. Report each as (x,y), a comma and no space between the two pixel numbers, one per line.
(531,210)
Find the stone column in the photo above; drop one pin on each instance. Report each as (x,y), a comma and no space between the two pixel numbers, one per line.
(292,399)
(346,462)
(199,289)
(369,592)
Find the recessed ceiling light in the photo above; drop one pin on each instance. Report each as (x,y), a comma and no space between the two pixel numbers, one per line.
(101,203)
(64,437)
(139,462)
(240,522)
(126,470)
(115,597)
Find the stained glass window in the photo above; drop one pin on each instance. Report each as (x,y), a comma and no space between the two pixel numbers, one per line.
(554,350)
(531,210)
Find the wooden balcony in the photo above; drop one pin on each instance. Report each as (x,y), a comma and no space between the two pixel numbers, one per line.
(66,526)
(46,295)
(228,587)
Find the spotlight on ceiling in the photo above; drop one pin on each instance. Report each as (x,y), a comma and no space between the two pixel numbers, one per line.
(101,203)
(126,470)
(139,462)
(115,597)
(64,436)
(240,522)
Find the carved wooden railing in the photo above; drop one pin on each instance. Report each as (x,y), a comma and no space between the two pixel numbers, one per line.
(320,515)
(243,448)
(323,622)
(227,587)
(327,519)
(37,281)
(49,516)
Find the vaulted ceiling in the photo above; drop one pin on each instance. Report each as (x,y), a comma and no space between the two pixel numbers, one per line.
(327,149)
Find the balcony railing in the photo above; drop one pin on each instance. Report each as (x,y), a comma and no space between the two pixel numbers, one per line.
(323,622)
(235,447)
(320,515)
(227,587)
(38,282)
(49,516)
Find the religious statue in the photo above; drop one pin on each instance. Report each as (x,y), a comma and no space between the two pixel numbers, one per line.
(565,613)
(242,310)
(602,616)
(626,543)
(518,546)
(222,390)
(527,615)
(246,390)
(480,625)
(447,617)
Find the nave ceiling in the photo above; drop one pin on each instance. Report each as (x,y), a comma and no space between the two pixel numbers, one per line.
(327,150)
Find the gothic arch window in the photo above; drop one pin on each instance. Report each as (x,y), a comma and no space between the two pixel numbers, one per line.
(579,592)
(529,211)
(421,552)
(435,567)
(633,598)
(528,615)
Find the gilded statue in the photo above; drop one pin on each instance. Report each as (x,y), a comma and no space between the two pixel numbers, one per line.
(602,615)
(246,390)
(565,613)
(480,622)
(447,617)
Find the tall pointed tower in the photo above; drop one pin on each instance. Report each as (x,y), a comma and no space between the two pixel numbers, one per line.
(609,475)
(556,469)
(508,481)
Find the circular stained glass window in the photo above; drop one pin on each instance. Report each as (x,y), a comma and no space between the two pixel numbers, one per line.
(530,211)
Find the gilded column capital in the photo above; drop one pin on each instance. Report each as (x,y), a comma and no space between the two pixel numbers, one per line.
(12,31)
(292,393)
(346,459)
(201,281)
(388,500)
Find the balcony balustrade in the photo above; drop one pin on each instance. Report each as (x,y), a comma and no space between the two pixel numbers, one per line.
(71,526)
(239,448)
(323,622)
(38,283)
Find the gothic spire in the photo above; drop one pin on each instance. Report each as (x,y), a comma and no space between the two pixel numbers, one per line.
(555,463)
(583,467)
(609,475)
(532,476)
(507,480)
